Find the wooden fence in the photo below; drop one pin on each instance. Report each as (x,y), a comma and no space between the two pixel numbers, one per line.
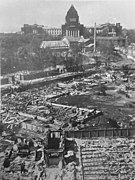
(95,133)
(87,134)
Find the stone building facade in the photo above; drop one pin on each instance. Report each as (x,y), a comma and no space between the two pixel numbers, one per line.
(53,31)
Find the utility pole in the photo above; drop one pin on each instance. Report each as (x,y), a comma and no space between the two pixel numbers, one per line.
(94,37)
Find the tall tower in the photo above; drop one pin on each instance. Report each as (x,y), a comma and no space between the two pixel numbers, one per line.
(72,26)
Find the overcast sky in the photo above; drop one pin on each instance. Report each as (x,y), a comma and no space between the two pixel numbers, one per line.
(15,13)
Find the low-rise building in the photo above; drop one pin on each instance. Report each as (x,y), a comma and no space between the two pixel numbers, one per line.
(53,31)
(32,29)
(116,41)
(75,43)
(39,29)
(107,29)
(58,48)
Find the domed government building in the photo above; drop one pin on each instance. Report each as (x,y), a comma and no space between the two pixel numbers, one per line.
(72,26)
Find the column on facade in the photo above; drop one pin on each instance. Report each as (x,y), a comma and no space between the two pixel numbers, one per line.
(73,33)
(78,33)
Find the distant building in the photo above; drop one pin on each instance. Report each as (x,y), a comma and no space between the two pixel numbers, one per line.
(72,26)
(75,43)
(39,29)
(116,41)
(53,31)
(106,29)
(32,29)
(58,48)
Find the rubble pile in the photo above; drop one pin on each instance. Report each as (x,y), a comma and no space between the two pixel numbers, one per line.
(38,102)
(69,172)
(37,105)
(23,159)
(30,157)
(108,158)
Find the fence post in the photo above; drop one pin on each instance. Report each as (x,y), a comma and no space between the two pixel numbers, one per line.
(81,134)
(89,134)
(119,130)
(112,132)
(127,132)
(74,133)
(104,132)
(97,133)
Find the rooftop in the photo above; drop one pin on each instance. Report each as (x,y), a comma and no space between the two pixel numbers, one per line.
(75,39)
(109,38)
(53,44)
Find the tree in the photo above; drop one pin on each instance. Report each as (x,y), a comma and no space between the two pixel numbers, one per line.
(22,52)
(106,48)
(130,34)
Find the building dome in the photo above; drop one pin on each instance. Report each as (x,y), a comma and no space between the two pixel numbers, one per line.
(72,15)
